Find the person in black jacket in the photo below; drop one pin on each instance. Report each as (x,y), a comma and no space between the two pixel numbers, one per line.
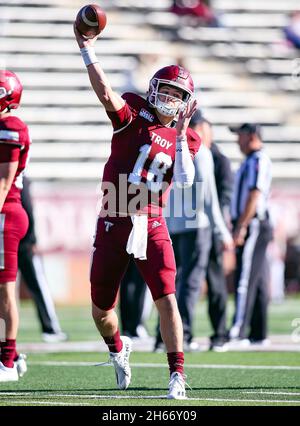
(217,288)
(32,271)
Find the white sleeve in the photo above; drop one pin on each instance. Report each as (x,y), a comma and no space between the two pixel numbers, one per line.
(184,170)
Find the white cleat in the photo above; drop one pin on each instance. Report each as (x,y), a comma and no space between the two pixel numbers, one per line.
(8,374)
(21,365)
(120,361)
(238,344)
(234,332)
(58,337)
(176,387)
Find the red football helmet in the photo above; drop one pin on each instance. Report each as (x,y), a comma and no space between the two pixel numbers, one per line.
(10,90)
(173,75)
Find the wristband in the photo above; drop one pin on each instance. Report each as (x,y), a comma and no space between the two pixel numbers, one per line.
(88,55)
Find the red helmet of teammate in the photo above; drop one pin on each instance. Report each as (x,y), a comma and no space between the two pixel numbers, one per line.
(10,90)
(175,76)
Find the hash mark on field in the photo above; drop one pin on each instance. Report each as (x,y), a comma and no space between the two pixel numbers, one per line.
(101,397)
(155,365)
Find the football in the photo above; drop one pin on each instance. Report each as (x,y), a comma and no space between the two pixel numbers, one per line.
(90,20)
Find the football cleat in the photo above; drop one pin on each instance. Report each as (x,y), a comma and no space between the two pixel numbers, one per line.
(120,360)
(176,386)
(8,374)
(21,365)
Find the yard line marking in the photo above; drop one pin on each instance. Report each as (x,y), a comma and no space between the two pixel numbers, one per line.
(156,365)
(260,401)
(63,363)
(15,393)
(251,367)
(82,396)
(45,403)
(245,400)
(272,393)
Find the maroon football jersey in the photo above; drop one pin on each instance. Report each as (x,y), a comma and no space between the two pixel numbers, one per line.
(141,162)
(14,144)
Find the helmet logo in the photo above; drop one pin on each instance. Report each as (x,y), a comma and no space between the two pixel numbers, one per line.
(182,73)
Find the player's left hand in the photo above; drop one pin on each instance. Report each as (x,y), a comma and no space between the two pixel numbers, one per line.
(185,114)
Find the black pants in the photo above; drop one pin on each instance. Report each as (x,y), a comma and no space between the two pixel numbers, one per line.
(32,271)
(251,283)
(132,297)
(191,250)
(217,292)
(194,248)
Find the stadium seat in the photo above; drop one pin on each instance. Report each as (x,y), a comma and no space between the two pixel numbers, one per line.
(242,72)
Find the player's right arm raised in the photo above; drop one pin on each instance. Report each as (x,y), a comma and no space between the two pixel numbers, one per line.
(111,100)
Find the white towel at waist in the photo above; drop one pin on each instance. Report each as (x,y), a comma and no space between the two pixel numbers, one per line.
(138,237)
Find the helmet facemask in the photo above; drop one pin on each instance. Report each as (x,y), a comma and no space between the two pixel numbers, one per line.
(10,91)
(3,92)
(163,107)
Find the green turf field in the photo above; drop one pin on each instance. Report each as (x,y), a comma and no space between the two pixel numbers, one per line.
(218,379)
(215,379)
(78,323)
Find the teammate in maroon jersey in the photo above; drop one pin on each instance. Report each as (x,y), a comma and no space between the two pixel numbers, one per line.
(14,147)
(151,144)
